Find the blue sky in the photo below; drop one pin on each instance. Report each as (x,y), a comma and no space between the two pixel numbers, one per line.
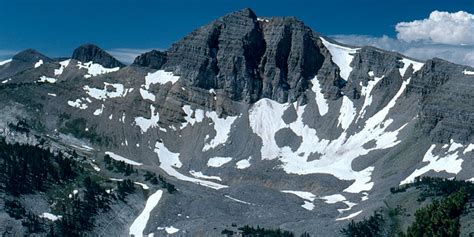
(56,27)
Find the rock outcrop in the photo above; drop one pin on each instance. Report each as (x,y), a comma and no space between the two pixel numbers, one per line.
(89,52)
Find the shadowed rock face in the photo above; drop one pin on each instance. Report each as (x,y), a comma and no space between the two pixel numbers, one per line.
(90,52)
(249,58)
(30,55)
(153,59)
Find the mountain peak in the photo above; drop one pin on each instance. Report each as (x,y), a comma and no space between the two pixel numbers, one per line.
(90,52)
(246,12)
(153,59)
(30,55)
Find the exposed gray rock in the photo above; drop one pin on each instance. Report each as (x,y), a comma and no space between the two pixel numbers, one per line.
(89,52)
(244,59)
(247,58)
(22,61)
(153,59)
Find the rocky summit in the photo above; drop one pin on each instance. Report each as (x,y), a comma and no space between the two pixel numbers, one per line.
(245,121)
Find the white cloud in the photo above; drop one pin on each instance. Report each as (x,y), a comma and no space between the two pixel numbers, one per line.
(462,54)
(126,55)
(441,27)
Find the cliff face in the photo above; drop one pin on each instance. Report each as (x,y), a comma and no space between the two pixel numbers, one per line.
(255,120)
(249,58)
(89,52)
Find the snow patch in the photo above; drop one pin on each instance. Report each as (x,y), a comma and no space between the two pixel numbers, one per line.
(121,158)
(349,216)
(102,94)
(169,230)
(243,164)
(99,111)
(95,167)
(44,79)
(5,62)
(302,194)
(342,56)
(192,116)
(169,161)
(139,224)
(94,69)
(50,216)
(307,196)
(62,66)
(237,200)
(469,148)
(52,94)
(454,146)
(145,123)
(407,62)
(78,103)
(347,113)
(218,161)
(146,95)
(144,186)
(465,72)
(39,63)
(449,163)
(200,175)
(321,102)
(160,77)
(222,127)
(335,198)
(337,155)
(366,93)
(7,80)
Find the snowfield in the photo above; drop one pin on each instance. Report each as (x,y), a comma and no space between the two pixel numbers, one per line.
(306,196)
(337,155)
(170,160)
(222,126)
(121,158)
(62,66)
(103,94)
(147,123)
(5,62)
(342,56)
(139,224)
(50,216)
(321,102)
(218,161)
(200,175)
(407,62)
(39,63)
(95,69)
(78,103)
(465,72)
(349,216)
(146,95)
(44,79)
(159,77)
(449,162)
(169,230)
(243,164)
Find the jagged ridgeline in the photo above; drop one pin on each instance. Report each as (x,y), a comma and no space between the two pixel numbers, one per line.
(246,124)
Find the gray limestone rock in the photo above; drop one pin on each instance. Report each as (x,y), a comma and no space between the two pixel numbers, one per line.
(89,52)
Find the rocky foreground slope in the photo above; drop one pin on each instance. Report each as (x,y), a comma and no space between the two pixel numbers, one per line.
(257,121)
